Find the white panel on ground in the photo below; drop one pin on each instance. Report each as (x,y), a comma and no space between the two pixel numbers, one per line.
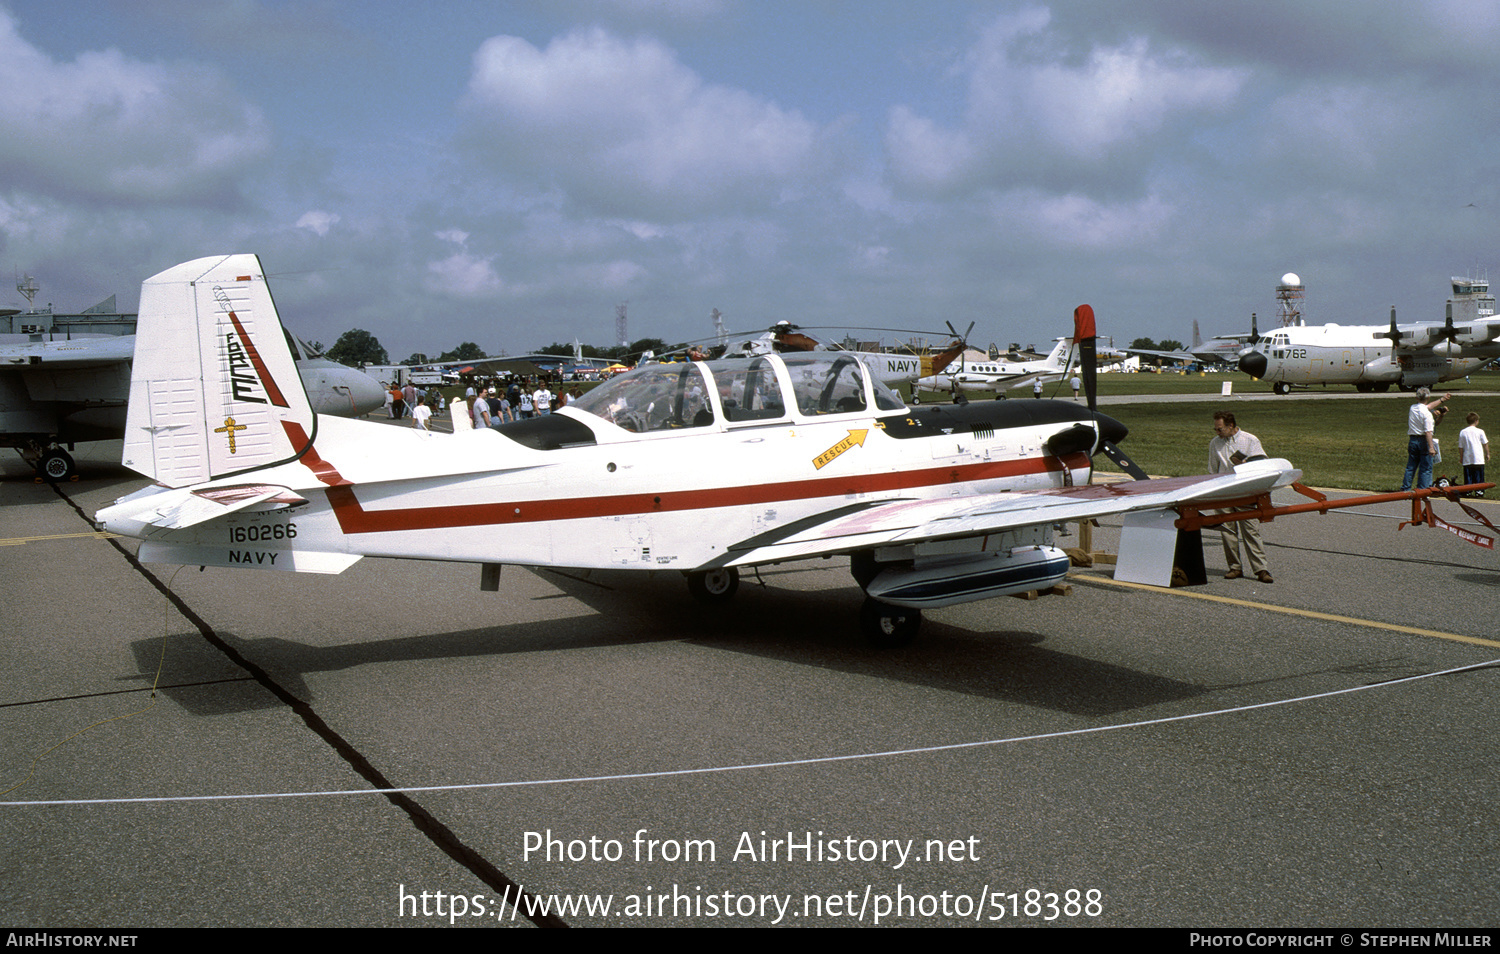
(1148,544)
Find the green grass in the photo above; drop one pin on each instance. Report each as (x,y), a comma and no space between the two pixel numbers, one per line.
(1359,445)
(1111,385)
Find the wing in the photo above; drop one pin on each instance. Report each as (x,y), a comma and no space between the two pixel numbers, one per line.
(889,523)
(1023,380)
(1479,335)
(1171,355)
(1474,338)
(491,366)
(67,355)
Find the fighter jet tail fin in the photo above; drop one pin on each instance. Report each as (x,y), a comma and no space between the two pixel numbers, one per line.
(214,389)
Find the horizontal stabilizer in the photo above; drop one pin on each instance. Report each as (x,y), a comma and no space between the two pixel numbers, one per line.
(155,510)
(183,508)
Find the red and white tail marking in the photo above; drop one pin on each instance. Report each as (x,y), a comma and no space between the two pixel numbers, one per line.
(214,382)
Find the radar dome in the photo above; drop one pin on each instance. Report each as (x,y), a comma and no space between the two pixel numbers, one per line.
(1290,278)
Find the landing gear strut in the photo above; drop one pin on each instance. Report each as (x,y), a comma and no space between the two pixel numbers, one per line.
(887,626)
(51,462)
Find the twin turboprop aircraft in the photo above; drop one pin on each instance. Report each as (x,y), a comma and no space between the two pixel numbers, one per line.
(702,468)
(1001,375)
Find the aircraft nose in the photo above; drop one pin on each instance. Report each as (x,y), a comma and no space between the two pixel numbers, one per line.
(1253,363)
(365,392)
(1110,429)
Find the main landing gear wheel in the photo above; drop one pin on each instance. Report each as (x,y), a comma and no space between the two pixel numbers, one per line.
(714,586)
(56,464)
(887,626)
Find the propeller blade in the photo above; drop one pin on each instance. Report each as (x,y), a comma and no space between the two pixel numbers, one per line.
(1395,333)
(1449,333)
(1083,338)
(1121,461)
(1084,334)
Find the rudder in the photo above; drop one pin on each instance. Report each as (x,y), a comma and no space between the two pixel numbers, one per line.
(1062,359)
(214,388)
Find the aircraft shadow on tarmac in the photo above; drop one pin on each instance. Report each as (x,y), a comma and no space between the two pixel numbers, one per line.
(802,627)
(1487,579)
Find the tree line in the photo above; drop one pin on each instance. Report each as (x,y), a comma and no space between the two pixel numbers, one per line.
(357,347)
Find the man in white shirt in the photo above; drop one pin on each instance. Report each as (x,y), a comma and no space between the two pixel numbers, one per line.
(1420,447)
(1231,446)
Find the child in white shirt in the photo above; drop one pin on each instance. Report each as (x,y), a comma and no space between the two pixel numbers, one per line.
(1476,451)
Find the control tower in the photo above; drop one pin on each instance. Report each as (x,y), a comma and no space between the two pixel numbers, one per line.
(1471,299)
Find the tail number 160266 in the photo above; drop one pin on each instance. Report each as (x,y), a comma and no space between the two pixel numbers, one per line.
(256,533)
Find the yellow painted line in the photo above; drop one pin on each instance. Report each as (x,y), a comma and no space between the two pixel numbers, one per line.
(1290,611)
(95,534)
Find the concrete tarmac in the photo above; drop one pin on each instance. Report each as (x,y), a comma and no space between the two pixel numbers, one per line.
(1233,755)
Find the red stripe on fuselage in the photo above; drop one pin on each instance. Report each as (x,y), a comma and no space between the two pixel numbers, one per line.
(353,518)
(321,469)
(269,383)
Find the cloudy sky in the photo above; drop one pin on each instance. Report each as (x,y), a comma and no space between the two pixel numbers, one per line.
(508,172)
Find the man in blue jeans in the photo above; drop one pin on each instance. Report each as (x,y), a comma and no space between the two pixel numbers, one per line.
(1419,445)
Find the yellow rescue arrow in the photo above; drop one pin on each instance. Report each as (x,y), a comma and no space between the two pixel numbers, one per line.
(855,437)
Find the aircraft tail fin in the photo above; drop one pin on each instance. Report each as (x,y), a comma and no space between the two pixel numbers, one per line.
(214,389)
(1060,359)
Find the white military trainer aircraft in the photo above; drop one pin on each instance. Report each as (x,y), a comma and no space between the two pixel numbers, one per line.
(696,467)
